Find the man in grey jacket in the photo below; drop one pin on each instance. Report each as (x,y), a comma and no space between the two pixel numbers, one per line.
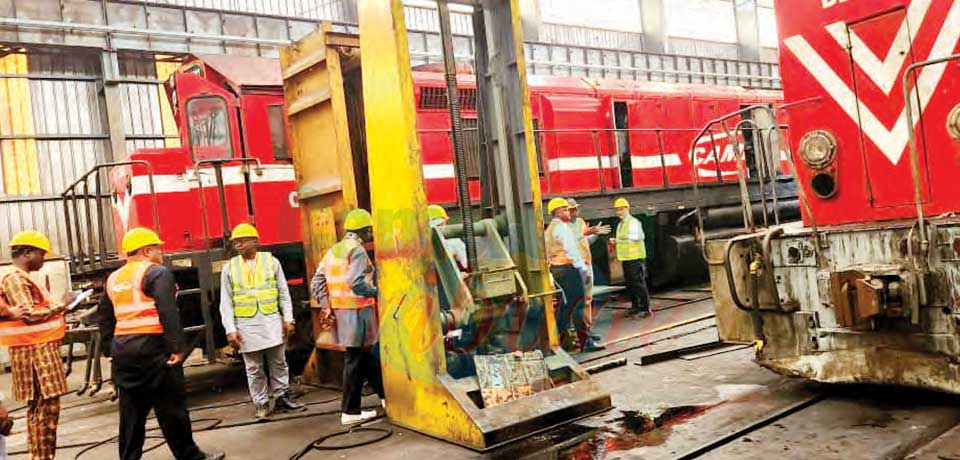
(257,315)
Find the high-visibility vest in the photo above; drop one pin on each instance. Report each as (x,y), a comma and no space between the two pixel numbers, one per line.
(628,249)
(254,290)
(15,332)
(336,269)
(556,254)
(581,226)
(135,311)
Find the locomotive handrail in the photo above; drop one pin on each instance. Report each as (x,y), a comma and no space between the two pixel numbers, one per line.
(761,167)
(708,128)
(741,176)
(217,164)
(766,250)
(919,262)
(69,197)
(592,135)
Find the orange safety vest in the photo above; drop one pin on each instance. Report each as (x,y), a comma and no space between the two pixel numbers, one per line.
(581,225)
(556,254)
(136,312)
(15,332)
(336,268)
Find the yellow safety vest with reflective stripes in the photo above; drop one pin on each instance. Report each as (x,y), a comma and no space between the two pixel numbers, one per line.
(628,249)
(256,290)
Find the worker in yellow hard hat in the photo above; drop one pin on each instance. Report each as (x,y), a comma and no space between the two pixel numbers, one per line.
(632,254)
(140,325)
(32,327)
(455,246)
(344,286)
(586,235)
(572,273)
(257,315)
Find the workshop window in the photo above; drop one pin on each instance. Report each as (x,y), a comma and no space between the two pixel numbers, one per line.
(209,125)
(278,135)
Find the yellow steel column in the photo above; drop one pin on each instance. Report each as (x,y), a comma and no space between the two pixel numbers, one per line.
(21,167)
(164,69)
(411,342)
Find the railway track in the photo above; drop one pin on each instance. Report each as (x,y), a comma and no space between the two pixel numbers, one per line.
(823,421)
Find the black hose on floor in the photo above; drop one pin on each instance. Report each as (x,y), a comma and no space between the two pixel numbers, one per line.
(216,424)
(317,444)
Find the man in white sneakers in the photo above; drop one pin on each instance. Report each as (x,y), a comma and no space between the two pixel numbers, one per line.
(344,286)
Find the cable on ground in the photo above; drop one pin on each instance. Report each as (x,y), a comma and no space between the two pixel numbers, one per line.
(318,444)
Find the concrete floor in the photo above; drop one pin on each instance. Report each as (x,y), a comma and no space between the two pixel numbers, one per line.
(712,396)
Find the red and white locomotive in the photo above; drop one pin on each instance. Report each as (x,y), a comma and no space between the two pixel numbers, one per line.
(867,288)
(596,139)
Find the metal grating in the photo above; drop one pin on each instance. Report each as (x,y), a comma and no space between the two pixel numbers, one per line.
(435,98)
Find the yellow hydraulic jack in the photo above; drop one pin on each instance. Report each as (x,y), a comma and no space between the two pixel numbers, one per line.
(507,291)
(444,338)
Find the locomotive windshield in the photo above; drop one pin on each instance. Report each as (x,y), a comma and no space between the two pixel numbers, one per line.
(209,128)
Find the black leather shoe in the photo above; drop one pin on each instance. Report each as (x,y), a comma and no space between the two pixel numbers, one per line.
(286,404)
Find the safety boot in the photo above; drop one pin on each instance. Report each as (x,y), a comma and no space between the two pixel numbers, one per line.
(286,404)
(592,345)
(264,410)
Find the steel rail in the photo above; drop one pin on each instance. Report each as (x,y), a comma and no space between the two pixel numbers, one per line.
(750,428)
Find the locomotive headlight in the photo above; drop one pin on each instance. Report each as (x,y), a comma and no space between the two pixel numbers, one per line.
(818,148)
(953,123)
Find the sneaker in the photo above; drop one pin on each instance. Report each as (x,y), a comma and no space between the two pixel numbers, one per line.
(350,419)
(263,411)
(592,345)
(383,404)
(286,404)
(596,338)
(218,455)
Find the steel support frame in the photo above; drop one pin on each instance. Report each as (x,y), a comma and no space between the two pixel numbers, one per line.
(241,33)
(111,99)
(413,355)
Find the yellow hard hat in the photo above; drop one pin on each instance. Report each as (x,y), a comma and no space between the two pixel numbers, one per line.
(244,231)
(557,203)
(435,211)
(137,238)
(31,238)
(357,219)
(621,203)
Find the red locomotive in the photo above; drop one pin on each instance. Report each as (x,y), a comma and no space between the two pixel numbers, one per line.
(596,139)
(866,290)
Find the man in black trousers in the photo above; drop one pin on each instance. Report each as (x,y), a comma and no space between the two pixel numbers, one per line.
(140,325)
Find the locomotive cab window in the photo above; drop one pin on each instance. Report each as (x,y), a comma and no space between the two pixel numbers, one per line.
(278,136)
(209,125)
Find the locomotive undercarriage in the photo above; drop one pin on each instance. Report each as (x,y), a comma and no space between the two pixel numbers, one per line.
(853,304)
